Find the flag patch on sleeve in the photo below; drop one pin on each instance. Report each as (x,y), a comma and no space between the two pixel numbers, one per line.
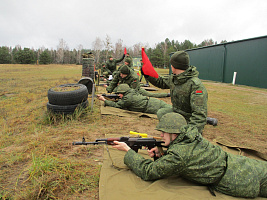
(199,92)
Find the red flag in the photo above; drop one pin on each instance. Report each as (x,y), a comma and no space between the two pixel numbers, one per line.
(125,51)
(147,68)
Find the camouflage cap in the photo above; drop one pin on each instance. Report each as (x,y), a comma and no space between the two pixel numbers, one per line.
(180,60)
(103,64)
(110,56)
(125,69)
(171,123)
(128,60)
(122,88)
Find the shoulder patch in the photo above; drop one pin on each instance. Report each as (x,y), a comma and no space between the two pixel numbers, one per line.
(199,92)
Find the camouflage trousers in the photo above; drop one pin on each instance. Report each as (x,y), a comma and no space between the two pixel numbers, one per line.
(154,105)
(244,177)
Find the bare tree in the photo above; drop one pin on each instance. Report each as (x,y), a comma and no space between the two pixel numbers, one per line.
(108,45)
(118,48)
(207,42)
(97,46)
(137,49)
(79,54)
(61,48)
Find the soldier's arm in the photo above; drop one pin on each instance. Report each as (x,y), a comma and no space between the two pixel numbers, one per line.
(198,102)
(109,72)
(119,104)
(123,103)
(113,84)
(119,60)
(160,82)
(152,170)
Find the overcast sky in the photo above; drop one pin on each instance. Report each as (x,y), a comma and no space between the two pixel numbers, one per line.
(42,23)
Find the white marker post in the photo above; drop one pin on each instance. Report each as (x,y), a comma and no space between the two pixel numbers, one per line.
(234,77)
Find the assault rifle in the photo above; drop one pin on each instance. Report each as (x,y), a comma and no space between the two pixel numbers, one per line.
(110,96)
(134,143)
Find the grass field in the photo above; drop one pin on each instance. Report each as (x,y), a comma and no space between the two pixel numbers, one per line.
(37,158)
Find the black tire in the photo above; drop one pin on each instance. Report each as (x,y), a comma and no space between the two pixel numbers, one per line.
(67,109)
(78,95)
(88,82)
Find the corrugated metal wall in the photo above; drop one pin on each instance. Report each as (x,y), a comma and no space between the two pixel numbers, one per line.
(246,57)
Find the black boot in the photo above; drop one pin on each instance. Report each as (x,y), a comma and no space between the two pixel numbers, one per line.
(212,121)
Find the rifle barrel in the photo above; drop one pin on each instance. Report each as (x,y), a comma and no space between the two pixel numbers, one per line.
(89,143)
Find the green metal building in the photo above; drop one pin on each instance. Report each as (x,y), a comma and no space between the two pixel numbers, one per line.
(248,58)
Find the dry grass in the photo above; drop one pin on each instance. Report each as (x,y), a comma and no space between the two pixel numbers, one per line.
(37,158)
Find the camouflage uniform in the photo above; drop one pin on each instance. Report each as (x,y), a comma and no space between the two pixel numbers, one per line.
(129,59)
(143,92)
(118,70)
(188,95)
(131,79)
(194,158)
(134,101)
(106,72)
(112,64)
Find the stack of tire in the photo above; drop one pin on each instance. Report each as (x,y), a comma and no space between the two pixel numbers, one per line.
(88,69)
(65,99)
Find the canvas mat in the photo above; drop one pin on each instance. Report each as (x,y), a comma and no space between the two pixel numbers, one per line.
(118,182)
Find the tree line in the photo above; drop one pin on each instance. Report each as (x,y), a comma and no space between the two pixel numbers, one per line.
(159,55)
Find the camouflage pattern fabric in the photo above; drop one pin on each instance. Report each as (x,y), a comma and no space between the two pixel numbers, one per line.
(112,64)
(106,72)
(196,159)
(133,101)
(131,79)
(130,59)
(188,96)
(118,70)
(150,94)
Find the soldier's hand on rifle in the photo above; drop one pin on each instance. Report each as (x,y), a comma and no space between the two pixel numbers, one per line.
(105,86)
(100,97)
(122,146)
(154,151)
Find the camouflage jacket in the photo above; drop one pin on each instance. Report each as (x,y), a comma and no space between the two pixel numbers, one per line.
(195,158)
(105,69)
(134,101)
(188,95)
(112,64)
(118,70)
(132,80)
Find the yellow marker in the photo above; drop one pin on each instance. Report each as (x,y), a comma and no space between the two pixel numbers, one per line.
(143,135)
